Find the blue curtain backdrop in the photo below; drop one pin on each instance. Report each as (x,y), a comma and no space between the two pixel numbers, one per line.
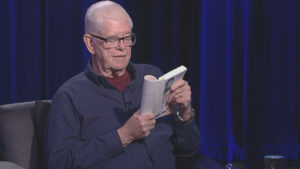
(243,58)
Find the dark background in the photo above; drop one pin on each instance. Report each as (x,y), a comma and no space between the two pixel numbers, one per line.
(243,58)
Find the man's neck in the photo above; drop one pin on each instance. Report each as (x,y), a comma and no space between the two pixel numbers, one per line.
(98,69)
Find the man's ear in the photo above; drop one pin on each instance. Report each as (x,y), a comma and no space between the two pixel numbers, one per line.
(88,43)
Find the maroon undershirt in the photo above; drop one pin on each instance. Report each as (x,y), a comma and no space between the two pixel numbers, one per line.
(120,82)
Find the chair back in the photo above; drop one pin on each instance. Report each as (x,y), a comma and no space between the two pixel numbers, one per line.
(21,132)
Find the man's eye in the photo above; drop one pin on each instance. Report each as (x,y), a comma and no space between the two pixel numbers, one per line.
(127,38)
(112,40)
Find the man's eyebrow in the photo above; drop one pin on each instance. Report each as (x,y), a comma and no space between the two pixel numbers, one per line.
(116,36)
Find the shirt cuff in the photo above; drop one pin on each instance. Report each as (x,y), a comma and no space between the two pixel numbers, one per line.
(185,128)
(113,143)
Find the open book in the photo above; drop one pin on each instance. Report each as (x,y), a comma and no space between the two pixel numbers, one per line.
(155,91)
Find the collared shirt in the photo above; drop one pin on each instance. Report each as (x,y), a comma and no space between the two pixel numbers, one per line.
(81,131)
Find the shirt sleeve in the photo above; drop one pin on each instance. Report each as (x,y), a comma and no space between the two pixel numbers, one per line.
(64,148)
(186,138)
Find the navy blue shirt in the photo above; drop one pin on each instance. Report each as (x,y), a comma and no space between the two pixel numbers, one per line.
(81,131)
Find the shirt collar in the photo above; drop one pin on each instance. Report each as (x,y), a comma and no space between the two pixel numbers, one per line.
(101,80)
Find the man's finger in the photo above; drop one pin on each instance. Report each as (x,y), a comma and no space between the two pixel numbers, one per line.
(179,83)
(147,116)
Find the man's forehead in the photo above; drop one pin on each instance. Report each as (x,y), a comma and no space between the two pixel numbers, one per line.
(110,22)
(112,27)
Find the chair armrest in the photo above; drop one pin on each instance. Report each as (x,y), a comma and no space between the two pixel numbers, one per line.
(9,165)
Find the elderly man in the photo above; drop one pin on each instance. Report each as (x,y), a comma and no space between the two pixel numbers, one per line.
(94,121)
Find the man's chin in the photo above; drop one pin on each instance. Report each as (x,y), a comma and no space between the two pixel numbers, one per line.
(120,66)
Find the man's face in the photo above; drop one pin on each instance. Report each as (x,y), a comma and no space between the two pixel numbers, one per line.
(116,58)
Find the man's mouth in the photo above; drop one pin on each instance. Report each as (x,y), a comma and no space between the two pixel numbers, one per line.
(120,56)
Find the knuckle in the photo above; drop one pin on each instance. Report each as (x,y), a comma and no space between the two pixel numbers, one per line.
(151,115)
(139,118)
(144,130)
(152,127)
(188,87)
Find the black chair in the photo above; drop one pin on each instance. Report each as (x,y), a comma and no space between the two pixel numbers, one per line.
(21,135)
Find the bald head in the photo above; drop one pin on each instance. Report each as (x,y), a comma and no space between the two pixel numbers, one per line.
(101,11)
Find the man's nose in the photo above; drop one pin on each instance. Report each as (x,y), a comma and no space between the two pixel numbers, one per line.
(121,44)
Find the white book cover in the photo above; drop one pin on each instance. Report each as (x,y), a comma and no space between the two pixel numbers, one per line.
(155,91)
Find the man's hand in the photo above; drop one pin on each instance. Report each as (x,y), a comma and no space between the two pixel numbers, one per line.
(137,127)
(180,94)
